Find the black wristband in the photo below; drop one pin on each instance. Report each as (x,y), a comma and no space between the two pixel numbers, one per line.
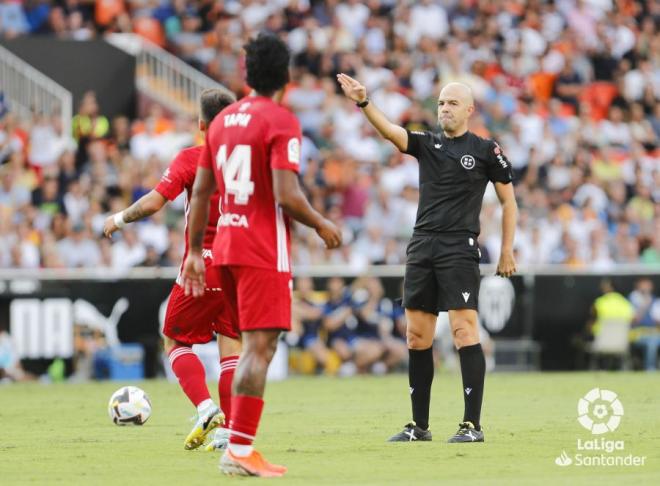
(362,104)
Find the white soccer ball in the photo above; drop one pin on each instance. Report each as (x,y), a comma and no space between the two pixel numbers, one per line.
(129,405)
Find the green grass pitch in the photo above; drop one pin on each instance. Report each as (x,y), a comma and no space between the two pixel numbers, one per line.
(331,432)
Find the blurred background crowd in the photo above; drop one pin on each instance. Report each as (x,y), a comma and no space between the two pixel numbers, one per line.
(569,88)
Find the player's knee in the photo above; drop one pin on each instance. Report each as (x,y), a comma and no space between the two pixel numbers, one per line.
(465,334)
(169,344)
(229,346)
(418,340)
(265,351)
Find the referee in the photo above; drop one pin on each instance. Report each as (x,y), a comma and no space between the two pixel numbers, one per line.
(442,266)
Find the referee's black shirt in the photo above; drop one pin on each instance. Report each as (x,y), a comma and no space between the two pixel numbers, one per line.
(453,174)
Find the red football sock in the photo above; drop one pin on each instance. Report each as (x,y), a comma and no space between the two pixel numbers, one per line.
(246,413)
(227,367)
(189,370)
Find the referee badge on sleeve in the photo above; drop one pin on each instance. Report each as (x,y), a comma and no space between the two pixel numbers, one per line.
(468,162)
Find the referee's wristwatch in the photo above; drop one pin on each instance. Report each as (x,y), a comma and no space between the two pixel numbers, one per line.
(362,104)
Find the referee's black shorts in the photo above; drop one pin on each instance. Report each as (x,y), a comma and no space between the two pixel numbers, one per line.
(442,272)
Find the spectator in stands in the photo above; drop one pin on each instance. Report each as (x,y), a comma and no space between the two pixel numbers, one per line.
(307,313)
(377,322)
(610,306)
(339,323)
(78,249)
(88,125)
(645,332)
(571,92)
(13,21)
(129,251)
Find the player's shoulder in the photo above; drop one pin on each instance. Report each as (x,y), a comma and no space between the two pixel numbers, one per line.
(195,150)
(189,155)
(282,114)
(480,141)
(482,144)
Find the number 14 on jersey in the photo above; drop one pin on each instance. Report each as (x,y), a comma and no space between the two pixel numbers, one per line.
(237,172)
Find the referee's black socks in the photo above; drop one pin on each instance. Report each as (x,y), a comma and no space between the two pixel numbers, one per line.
(473,370)
(420,378)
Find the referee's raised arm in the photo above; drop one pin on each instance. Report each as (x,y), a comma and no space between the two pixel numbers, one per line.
(355,91)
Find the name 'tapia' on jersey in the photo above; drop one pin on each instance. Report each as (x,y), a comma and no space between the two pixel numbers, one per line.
(244,144)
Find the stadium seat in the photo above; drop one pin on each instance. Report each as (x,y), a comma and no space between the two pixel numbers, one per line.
(541,85)
(599,95)
(612,341)
(150,29)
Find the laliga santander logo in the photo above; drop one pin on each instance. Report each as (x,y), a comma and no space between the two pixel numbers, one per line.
(600,411)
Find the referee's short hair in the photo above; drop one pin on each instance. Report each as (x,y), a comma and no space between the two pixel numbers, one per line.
(212,101)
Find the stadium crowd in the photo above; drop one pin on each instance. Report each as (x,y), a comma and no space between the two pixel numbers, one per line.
(570,89)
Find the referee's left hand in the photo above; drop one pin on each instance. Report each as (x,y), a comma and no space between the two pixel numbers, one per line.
(507,264)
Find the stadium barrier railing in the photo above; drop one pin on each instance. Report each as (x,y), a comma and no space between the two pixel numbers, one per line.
(163,76)
(29,92)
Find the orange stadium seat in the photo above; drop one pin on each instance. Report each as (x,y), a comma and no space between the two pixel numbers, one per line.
(541,85)
(599,95)
(150,29)
(107,10)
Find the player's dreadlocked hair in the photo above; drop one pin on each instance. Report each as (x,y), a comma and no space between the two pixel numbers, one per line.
(212,101)
(267,63)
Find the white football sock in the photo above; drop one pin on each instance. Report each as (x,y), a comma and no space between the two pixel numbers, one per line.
(201,408)
(240,450)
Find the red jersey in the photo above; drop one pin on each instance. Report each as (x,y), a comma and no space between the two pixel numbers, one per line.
(244,143)
(180,176)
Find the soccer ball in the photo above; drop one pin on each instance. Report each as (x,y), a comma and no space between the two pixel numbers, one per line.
(129,405)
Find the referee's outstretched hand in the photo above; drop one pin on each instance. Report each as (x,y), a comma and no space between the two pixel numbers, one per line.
(352,88)
(507,264)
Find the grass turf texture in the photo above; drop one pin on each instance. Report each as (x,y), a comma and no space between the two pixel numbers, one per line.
(331,432)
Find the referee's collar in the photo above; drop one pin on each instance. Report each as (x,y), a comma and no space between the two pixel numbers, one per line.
(460,138)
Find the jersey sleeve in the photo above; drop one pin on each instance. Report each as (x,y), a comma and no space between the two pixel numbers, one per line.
(415,141)
(174,179)
(499,167)
(285,139)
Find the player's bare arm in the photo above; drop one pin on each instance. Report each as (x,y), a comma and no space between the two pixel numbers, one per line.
(355,91)
(507,264)
(145,206)
(290,197)
(193,267)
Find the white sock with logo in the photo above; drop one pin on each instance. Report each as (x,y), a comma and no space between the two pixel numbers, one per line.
(240,450)
(201,408)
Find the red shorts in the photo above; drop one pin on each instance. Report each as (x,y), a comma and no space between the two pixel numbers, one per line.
(193,320)
(256,298)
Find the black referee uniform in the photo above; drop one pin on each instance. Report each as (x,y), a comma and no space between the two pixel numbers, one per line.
(442,265)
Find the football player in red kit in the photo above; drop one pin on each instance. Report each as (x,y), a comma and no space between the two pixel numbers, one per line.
(252,155)
(189,320)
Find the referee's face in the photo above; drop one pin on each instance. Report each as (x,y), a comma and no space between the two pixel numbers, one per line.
(455,105)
